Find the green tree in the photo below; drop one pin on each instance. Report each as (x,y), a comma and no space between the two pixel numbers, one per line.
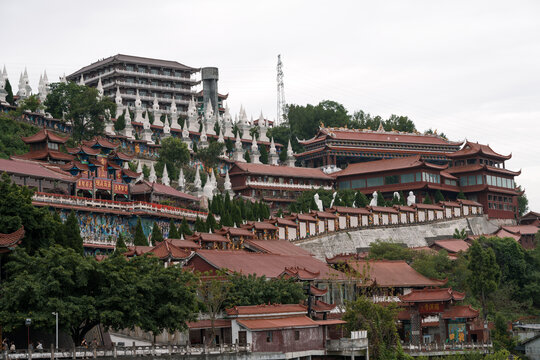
(121,246)
(210,155)
(146,171)
(264,154)
(213,292)
(139,239)
(11,132)
(120,123)
(380,199)
(173,231)
(73,233)
(157,235)
(174,153)
(9,97)
(81,105)
(438,196)
(523,202)
(484,274)
(31,103)
(247,157)
(427,200)
(380,323)
(360,199)
(390,251)
(184,228)
(200,225)
(211,223)
(16,210)
(461,195)
(460,234)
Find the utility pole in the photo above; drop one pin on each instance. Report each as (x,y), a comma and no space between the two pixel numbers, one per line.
(281,104)
(56,314)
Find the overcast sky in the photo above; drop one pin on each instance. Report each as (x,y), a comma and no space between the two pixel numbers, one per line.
(468,69)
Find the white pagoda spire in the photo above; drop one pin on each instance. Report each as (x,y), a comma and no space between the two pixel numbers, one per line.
(262,128)
(181,180)
(197,182)
(81,80)
(165,177)
(290,155)
(166,128)
(140,171)
(238,154)
(227,184)
(22,88)
(220,139)
(153,177)
(227,123)
(63,79)
(203,140)
(174,116)
(208,189)
(99,88)
(255,153)
(273,157)
(138,108)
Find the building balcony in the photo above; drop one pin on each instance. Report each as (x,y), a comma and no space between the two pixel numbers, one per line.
(357,345)
(161,100)
(148,86)
(158,76)
(273,185)
(95,78)
(385,299)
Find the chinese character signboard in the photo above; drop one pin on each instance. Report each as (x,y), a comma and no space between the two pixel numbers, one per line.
(427,308)
(85,184)
(103,184)
(120,188)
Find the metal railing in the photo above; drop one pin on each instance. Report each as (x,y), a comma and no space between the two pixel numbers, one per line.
(451,347)
(286,185)
(157,76)
(122,351)
(150,86)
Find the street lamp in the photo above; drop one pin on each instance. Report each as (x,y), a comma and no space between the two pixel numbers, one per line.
(55,313)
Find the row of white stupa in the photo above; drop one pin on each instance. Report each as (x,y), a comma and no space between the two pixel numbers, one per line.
(210,187)
(25,89)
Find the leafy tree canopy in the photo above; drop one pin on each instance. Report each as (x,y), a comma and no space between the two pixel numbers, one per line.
(174,153)
(11,132)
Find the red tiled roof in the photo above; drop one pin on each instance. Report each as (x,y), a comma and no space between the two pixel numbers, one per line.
(478,167)
(207,237)
(392,273)
(453,245)
(522,229)
(44,134)
(315,291)
(404,208)
(235,231)
(34,169)
(427,206)
(324,214)
(303,217)
(344,258)
(274,170)
(130,173)
(282,247)
(348,210)
(431,295)
(260,225)
(147,187)
(12,239)
(43,154)
(369,135)
(378,166)
(278,323)
(383,209)
(445,174)
(471,148)
(266,309)
(84,149)
(460,311)
(101,141)
(184,244)
(330,322)
(166,249)
(300,273)
(321,306)
(137,250)
(449,203)
(74,165)
(120,155)
(269,265)
(207,324)
(468,202)
(286,222)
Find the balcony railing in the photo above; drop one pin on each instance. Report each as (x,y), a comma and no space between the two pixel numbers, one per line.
(95,78)
(287,186)
(128,207)
(436,349)
(151,98)
(157,76)
(149,86)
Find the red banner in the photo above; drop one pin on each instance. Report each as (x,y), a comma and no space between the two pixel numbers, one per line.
(120,188)
(85,184)
(431,308)
(103,184)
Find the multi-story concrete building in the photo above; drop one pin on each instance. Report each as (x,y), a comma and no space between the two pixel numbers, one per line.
(154,79)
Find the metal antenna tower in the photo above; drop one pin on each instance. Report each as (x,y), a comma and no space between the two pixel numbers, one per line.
(281,104)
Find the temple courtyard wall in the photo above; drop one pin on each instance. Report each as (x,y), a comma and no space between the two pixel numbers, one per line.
(413,235)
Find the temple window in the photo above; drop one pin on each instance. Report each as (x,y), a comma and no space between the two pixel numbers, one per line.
(471,180)
(471,161)
(391,179)
(376,181)
(407,178)
(52,146)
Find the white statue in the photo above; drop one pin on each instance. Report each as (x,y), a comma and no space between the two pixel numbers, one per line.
(411,199)
(373,201)
(333,195)
(396,195)
(318,202)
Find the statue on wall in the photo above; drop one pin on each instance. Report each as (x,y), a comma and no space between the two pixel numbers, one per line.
(318,202)
(333,199)
(373,201)
(411,199)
